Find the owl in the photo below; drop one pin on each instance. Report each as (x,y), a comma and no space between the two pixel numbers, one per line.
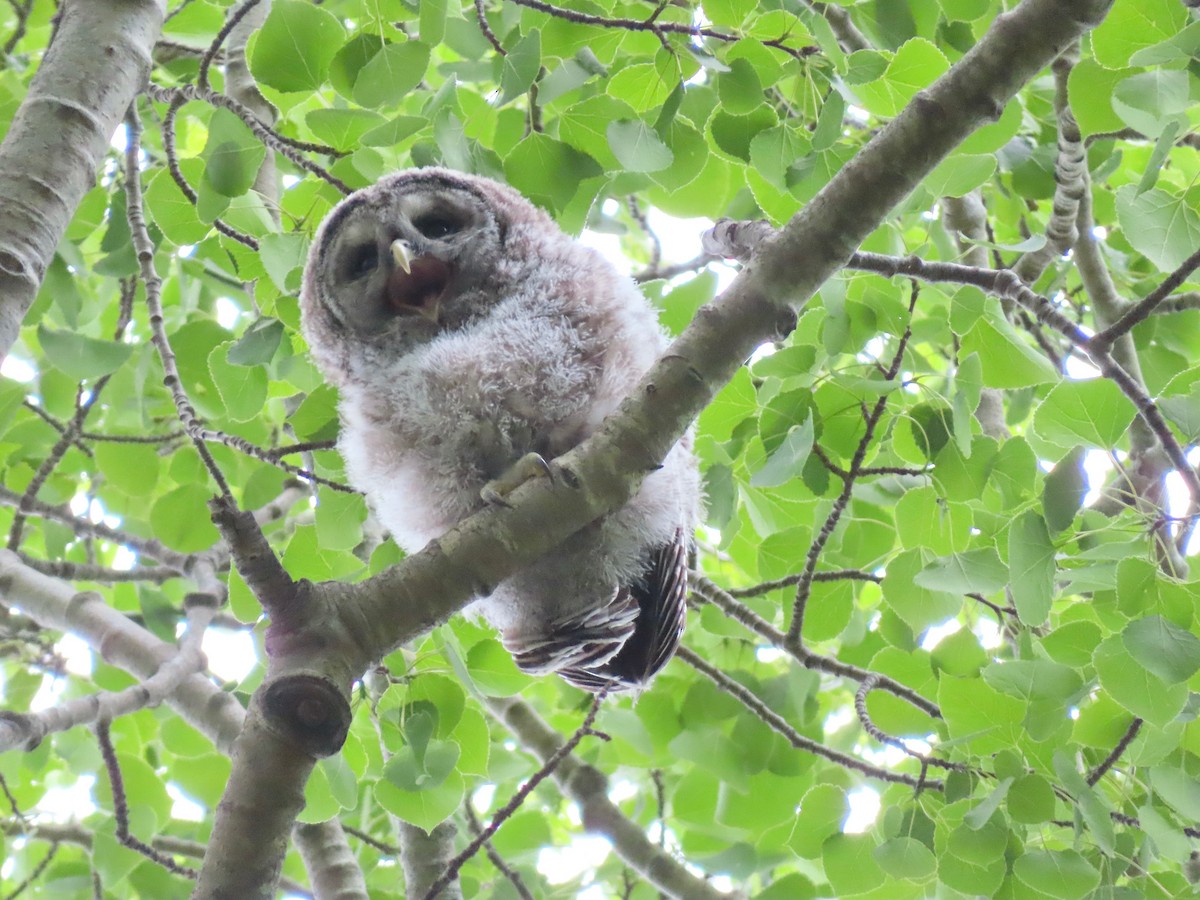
(471,340)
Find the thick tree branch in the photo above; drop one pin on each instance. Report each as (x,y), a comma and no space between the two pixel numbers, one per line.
(99,61)
(331,866)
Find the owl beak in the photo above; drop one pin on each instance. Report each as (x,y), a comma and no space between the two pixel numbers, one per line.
(402,255)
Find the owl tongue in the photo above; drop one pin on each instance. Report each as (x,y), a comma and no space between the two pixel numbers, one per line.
(420,289)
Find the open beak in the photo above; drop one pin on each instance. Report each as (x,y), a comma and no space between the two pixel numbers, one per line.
(402,255)
(417,282)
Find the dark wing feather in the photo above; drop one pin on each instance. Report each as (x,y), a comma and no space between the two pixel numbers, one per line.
(587,640)
(661,595)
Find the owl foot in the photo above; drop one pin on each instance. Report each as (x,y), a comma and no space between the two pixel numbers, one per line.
(531,465)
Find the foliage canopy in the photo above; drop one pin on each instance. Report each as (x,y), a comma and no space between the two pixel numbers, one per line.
(946,558)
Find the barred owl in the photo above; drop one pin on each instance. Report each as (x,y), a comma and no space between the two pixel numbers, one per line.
(466,333)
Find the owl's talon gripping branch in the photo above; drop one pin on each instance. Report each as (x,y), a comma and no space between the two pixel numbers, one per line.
(531,465)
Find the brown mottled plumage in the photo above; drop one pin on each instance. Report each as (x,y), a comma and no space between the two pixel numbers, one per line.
(464,330)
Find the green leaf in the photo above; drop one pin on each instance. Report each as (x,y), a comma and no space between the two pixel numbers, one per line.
(316,418)
(829,122)
(1162,226)
(424,808)
(850,864)
(985,809)
(1163,648)
(231,156)
(916,605)
(916,65)
(1030,800)
(1094,413)
(1090,87)
(180,519)
(432,27)
(1008,361)
(1063,874)
(739,88)
(493,670)
(341,780)
(822,810)
(79,356)
(243,389)
(131,467)
(1032,567)
(975,571)
(1149,101)
(295,46)
(171,211)
(1064,489)
(257,344)
(960,174)
(1178,789)
(1133,686)
(391,73)
(1033,679)
(1133,25)
(641,86)
(906,858)
(521,66)
(283,257)
(342,128)
(1185,413)
(339,518)
(637,147)
(548,171)
(788,459)
(986,719)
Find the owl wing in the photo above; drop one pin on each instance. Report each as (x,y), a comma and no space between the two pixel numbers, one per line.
(660,596)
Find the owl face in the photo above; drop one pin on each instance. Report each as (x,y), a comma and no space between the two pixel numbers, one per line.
(405,259)
(409,261)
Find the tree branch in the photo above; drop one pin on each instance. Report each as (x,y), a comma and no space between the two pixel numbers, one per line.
(99,61)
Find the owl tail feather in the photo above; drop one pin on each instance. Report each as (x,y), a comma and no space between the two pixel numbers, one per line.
(589,639)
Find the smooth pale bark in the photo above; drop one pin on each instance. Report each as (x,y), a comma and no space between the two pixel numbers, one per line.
(97,64)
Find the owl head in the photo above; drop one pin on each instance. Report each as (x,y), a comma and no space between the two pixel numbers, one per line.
(414,254)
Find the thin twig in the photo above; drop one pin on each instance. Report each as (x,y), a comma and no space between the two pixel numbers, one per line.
(121,807)
(145,253)
(778,724)
(214,48)
(1109,761)
(505,812)
(481,18)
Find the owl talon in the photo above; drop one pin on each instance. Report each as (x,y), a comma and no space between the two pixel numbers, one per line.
(529,466)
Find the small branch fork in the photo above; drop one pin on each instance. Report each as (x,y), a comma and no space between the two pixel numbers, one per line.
(804,585)
(28,730)
(777,723)
(706,590)
(506,812)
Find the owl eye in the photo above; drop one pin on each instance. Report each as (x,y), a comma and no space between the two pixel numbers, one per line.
(437,225)
(362,260)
